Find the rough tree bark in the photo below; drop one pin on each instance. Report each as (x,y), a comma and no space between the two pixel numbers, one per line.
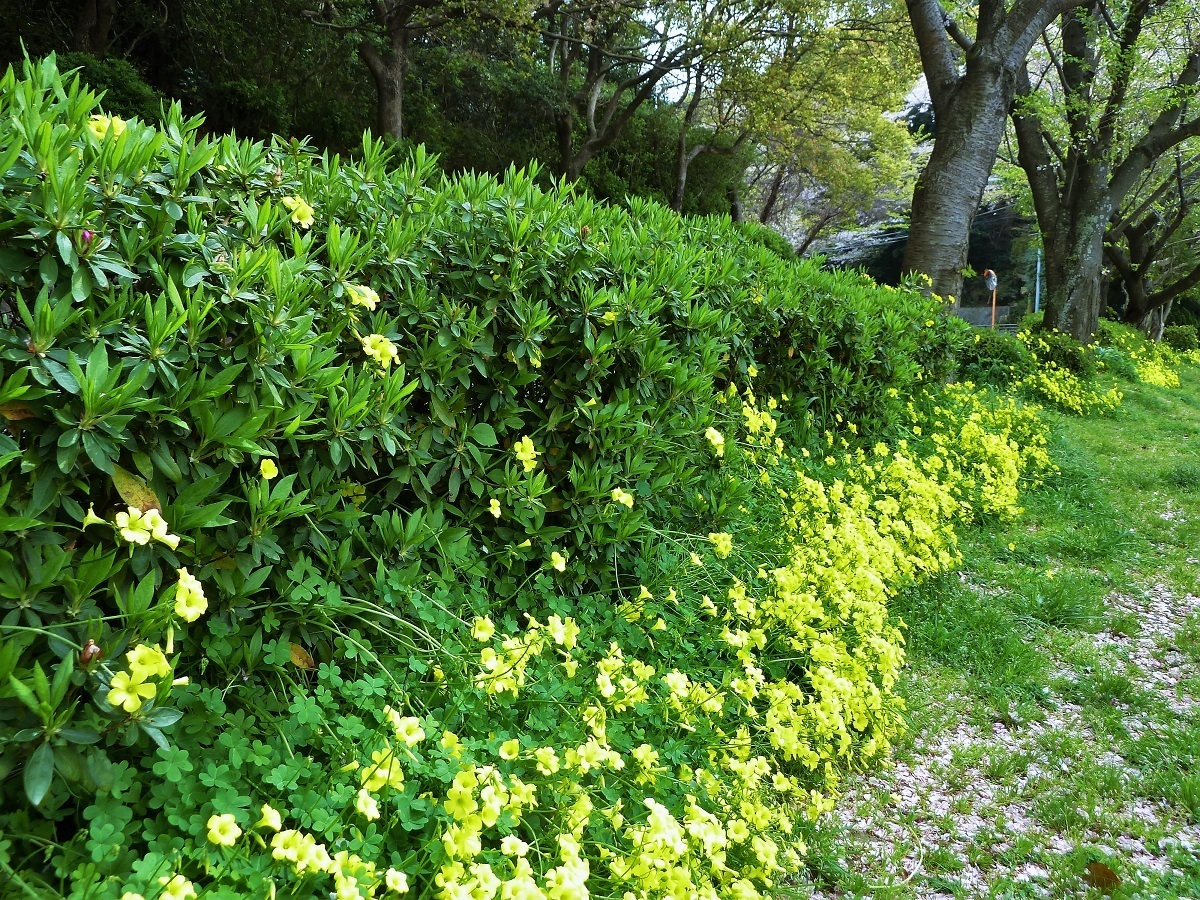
(389,70)
(1077,190)
(970,111)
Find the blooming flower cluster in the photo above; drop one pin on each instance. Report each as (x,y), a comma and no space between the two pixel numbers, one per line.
(141,528)
(526,454)
(129,690)
(380,349)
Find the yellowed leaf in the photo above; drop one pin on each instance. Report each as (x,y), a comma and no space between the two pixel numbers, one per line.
(15,410)
(301,658)
(134,490)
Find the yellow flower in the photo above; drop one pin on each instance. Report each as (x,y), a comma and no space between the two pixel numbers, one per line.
(362,295)
(716,439)
(223,830)
(929,323)
(526,454)
(146,662)
(510,749)
(130,895)
(722,543)
(397,881)
(494,507)
(270,818)
(158,528)
(483,629)
(132,527)
(644,593)
(409,731)
(302,213)
(91,518)
(623,497)
(558,562)
(381,350)
(268,469)
(177,888)
(100,125)
(660,625)
(190,603)
(696,560)
(367,805)
(752,370)
(128,692)
(511,845)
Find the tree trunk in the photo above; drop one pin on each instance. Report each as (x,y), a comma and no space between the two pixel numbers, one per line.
(388,69)
(950,188)
(93,27)
(768,209)
(1075,258)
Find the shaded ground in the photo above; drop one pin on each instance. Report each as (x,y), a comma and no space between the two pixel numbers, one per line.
(1054,690)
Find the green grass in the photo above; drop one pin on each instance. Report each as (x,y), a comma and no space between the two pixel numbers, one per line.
(1027,636)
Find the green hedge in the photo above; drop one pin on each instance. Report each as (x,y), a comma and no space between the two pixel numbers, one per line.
(185,315)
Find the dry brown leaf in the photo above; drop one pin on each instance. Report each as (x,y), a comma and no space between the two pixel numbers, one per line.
(15,410)
(1101,877)
(301,658)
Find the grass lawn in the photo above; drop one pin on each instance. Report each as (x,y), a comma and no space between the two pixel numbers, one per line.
(1053,687)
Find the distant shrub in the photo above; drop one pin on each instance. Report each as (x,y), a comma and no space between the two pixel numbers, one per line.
(1181,338)
(769,238)
(1152,363)
(1031,321)
(1062,350)
(994,358)
(126,94)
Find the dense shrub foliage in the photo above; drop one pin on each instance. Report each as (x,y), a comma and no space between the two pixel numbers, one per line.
(363,530)
(1181,338)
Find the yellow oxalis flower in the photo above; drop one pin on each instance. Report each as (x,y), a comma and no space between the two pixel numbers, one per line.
(363,295)
(270,818)
(526,453)
(128,692)
(558,562)
(100,125)
(158,529)
(190,603)
(177,888)
(131,526)
(146,662)
(483,629)
(397,881)
(223,830)
(91,518)
(302,213)
(623,497)
(381,350)
(367,805)
(722,543)
(510,749)
(494,507)
(268,469)
(716,439)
